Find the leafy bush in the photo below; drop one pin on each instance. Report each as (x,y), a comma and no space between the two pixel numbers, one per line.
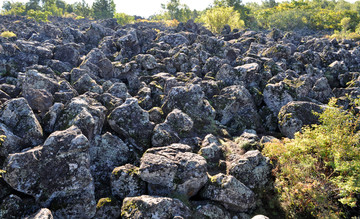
(320,168)
(289,19)
(216,18)
(123,18)
(7,34)
(39,15)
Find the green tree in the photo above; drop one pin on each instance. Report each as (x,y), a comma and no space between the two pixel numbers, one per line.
(176,10)
(82,9)
(13,8)
(237,5)
(216,18)
(33,5)
(103,9)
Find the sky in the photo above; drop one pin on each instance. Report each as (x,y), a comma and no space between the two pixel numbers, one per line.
(145,8)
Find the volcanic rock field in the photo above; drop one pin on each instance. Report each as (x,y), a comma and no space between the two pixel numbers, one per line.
(150,121)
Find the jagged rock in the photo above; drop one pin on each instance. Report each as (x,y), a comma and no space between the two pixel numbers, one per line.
(209,210)
(19,119)
(51,117)
(12,207)
(97,62)
(84,112)
(119,90)
(252,168)
(35,80)
(108,208)
(147,61)
(229,192)
(173,170)
(39,99)
(154,207)
(11,143)
(156,115)
(130,121)
(106,152)
(126,182)
(176,125)
(86,83)
(228,75)
(174,39)
(236,109)
(211,149)
(190,100)
(276,96)
(42,213)
(67,53)
(294,115)
(69,191)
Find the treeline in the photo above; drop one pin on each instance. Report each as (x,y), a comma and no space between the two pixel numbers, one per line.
(340,16)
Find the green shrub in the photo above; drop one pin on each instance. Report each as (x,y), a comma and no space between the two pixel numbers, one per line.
(318,172)
(216,18)
(123,18)
(7,34)
(39,15)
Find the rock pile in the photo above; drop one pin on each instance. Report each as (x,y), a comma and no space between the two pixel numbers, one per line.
(147,121)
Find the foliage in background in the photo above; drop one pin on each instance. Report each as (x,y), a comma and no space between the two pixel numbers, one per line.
(216,18)
(319,171)
(123,18)
(103,9)
(39,15)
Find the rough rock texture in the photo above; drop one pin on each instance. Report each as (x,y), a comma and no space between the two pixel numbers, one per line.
(214,98)
(229,192)
(106,152)
(154,207)
(84,112)
(177,124)
(108,208)
(251,168)
(18,117)
(130,121)
(294,115)
(126,182)
(173,170)
(33,172)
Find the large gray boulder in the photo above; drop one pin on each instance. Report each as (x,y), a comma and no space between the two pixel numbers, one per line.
(173,170)
(130,121)
(229,192)
(276,96)
(126,182)
(19,119)
(296,114)
(96,61)
(154,207)
(236,109)
(191,100)
(251,168)
(107,151)
(68,191)
(84,112)
(176,125)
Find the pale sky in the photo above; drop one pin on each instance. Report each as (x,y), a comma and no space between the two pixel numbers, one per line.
(145,8)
